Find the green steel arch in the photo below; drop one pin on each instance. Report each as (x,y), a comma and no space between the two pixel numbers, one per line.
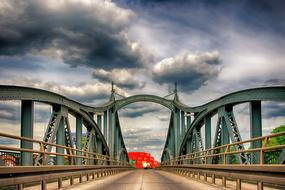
(143,98)
(50,98)
(249,95)
(176,141)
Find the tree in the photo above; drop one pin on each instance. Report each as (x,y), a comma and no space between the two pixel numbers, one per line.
(277,140)
(272,156)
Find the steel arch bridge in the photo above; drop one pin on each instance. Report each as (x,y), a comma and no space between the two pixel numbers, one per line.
(104,144)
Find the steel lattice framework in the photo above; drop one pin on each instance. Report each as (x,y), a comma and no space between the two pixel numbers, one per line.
(104,135)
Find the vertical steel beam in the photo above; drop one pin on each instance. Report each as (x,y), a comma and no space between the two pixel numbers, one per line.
(225,136)
(255,127)
(106,125)
(182,125)
(60,140)
(78,139)
(99,121)
(188,148)
(171,144)
(27,128)
(176,131)
(188,120)
(208,134)
(178,118)
(111,131)
(99,146)
(118,143)
(92,147)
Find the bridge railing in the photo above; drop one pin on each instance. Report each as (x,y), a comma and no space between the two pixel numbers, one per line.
(201,164)
(70,159)
(225,151)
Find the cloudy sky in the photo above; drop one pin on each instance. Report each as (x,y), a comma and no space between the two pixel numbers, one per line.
(77,47)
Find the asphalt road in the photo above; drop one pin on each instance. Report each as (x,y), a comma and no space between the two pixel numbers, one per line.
(144,180)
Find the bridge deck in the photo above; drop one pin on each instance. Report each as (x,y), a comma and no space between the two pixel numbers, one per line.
(146,180)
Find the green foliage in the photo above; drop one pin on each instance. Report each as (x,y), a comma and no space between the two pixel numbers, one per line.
(272,156)
(83,140)
(277,140)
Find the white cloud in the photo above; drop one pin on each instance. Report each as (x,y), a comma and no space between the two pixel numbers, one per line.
(121,77)
(190,71)
(85,93)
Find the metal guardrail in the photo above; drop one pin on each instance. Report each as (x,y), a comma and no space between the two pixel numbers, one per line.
(20,175)
(77,153)
(190,165)
(272,174)
(225,150)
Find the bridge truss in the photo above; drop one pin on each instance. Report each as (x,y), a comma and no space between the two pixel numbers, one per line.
(104,144)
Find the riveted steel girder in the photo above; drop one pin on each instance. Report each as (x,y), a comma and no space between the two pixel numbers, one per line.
(53,99)
(79,138)
(257,94)
(88,145)
(209,109)
(255,128)
(143,98)
(27,129)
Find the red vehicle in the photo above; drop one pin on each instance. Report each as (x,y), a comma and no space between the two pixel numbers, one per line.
(142,160)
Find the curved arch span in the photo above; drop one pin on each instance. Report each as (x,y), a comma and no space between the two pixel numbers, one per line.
(254,94)
(38,95)
(144,98)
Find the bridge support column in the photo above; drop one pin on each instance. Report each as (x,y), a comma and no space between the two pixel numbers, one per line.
(60,140)
(171,144)
(27,128)
(208,135)
(106,126)
(188,120)
(99,121)
(182,126)
(225,137)
(116,142)
(255,128)
(176,131)
(111,132)
(79,139)
(92,147)
(99,146)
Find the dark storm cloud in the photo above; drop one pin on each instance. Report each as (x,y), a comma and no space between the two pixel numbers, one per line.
(26,63)
(10,112)
(138,112)
(190,71)
(259,14)
(273,109)
(121,77)
(80,34)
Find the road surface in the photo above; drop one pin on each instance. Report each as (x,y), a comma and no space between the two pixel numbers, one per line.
(144,180)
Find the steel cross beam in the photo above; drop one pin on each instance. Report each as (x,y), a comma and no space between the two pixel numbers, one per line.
(108,128)
(230,100)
